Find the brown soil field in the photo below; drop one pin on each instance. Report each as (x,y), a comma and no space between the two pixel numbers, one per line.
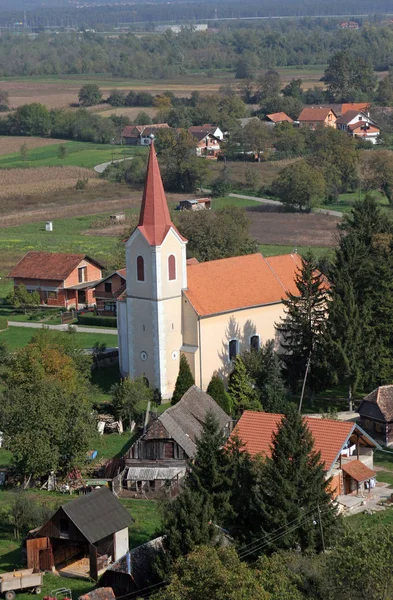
(9,144)
(25,182)
(268,226)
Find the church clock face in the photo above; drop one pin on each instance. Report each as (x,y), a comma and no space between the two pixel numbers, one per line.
(175,354)
(143,356)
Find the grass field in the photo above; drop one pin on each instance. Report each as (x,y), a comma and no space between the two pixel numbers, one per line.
(18,337)
(79,154)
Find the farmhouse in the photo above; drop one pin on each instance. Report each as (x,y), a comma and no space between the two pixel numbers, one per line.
(208,144)
(280,117)
(317,117)
(139,135)
(359,124)
(160,456)
(208,128)
(376,414)
(346,449)
(107,290)
(208,311)
(64,280)
(83,537)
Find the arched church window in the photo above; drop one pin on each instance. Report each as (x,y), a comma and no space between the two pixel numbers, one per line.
(172,268)
(140,268)
(233,349)
(254,342)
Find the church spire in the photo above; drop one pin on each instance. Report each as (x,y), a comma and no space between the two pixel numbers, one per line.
(155,219)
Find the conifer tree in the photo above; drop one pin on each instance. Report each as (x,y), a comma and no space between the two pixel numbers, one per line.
(217,391)
(295,491)
(303,327)
(184,380)
(207,475)
(240,388)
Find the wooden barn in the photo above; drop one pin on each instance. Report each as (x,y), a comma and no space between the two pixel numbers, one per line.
(82,538)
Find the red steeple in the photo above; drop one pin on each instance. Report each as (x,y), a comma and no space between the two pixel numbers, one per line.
(155,220)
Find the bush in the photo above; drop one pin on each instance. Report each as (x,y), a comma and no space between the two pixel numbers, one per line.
(220,188)
(82,184)
(3,323)
(97,321)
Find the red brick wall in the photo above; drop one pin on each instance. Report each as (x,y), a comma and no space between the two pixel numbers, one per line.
(92,274)
(116,280)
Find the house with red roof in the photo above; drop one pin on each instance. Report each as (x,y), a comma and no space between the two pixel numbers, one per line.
(207,311)
(139,135)
(359,124)
(280,117)
(317,117)
(346,450)
(64,280)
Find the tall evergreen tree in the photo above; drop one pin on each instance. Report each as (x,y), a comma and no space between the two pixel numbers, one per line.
(264,367)
(303,327)
(184,380)
(207,475)
(217,391)
(295,491)
(240,388)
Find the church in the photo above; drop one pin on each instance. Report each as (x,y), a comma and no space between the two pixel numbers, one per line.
(208,311)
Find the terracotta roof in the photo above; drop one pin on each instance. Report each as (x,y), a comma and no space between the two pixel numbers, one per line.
(154,220)
(55,266)
(192,261)
(132,130)
(256,430)
(382,396)
(122,272)
(359,106)
(239,282)
(358,470)
(362,124)
(279,117)
(318,113)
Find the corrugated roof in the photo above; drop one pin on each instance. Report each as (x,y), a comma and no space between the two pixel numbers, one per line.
(358,470)
(239,282)
(55,266)
(98,514)
(153,473)
(256,430)
(318,113)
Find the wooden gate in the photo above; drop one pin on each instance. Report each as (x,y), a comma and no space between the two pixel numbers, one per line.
(34,548)
(46,559)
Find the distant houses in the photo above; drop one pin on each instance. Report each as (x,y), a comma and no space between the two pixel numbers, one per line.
(317,117)
(140,135)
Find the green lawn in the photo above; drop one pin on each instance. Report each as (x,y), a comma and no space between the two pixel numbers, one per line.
(384,459)
(347,201)
(79,154)
(18,337)
(227,201)
(275,249)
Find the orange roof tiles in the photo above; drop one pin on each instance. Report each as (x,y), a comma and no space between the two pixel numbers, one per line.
(318,113)
(239,282)
(256,430)
(154,220)
(358,106)
(358,470)
(279,117)
(55,266)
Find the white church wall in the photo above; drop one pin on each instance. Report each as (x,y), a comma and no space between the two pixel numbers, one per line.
(122,335)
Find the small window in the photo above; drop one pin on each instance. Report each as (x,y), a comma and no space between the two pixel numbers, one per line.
(254,342)
(82,274)
(172,268)
(233,349)
(140,268)
(52,295)
(108,286)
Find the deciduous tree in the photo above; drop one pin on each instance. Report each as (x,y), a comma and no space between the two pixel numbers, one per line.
(89,95)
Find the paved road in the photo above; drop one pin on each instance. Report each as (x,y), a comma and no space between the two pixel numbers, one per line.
(101,168)
(322,211)
(79,328)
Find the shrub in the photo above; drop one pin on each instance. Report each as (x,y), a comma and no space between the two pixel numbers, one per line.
(97,321)
(82,184)
(3,323)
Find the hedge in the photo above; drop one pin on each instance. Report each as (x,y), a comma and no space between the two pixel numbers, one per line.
(96,321)
(3,323)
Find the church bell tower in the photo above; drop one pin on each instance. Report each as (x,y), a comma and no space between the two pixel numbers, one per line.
(150,312)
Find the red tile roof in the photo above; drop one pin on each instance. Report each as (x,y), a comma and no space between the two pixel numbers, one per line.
(362,124)
(154,220)
(358,470)
(192,261)
(279,117)
(318,113)
(256,430)
(359,106)
(48,265)
(239,282)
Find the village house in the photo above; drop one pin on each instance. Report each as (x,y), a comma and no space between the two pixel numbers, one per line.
(346,450)
(63,280)
(106,292)
(160,456)
(208,128)
(359,124)
(194,204)
(317,117)
(208,145)
(376,414)
(208,311)
(82,538)
(140,135)
(280,117)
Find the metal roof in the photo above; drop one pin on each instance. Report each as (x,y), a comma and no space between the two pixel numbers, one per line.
(153,473)
(98,514)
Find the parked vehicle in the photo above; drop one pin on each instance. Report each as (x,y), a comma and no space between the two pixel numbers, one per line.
(20,580)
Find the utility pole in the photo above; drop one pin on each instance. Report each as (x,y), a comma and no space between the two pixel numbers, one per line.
(321,528)
(304,382)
